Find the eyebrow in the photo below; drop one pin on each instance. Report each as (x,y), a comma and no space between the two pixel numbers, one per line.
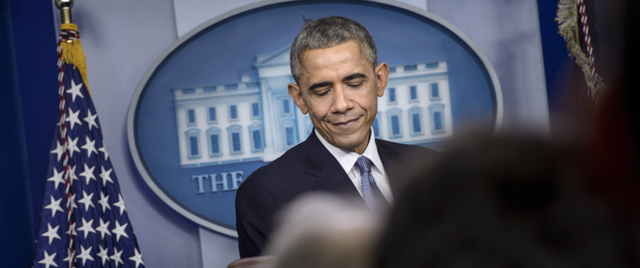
(353,76)
(319,85)
(345,79)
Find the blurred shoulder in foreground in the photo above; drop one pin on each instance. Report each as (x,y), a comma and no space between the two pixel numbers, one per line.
(506,202)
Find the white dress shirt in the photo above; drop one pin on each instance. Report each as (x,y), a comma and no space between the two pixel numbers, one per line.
(347,159)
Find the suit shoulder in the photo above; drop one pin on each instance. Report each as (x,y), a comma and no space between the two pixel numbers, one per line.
(406,149)
(288,163)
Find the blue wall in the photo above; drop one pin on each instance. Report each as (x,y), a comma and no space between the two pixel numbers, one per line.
(28,109)
(16,245)
(558,66)
(34,38)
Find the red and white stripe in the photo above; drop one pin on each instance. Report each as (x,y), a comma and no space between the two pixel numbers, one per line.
(582,9)
(63,141)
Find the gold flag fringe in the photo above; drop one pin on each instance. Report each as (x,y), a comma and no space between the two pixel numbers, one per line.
(72,53)
(567,18)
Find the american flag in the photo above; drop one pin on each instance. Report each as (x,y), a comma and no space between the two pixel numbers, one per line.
(84,222)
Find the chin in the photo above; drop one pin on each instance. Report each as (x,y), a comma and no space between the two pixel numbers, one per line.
(350,144)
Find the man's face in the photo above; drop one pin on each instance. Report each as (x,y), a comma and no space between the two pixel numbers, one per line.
(340,89)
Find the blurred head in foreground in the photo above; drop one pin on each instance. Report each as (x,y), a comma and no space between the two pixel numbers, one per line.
(503,202)
(323,231)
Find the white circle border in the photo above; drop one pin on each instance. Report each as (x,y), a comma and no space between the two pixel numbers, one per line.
(131,117)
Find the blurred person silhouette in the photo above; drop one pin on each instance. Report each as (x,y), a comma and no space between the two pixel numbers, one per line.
(323,230)
(614,148)
(505,202)
(605,117)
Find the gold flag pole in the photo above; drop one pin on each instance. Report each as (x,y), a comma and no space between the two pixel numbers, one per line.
(71,49)
(65,10)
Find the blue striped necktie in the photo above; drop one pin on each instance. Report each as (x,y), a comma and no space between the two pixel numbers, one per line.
(370,191)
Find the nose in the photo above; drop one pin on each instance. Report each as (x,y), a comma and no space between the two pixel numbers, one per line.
(342,100)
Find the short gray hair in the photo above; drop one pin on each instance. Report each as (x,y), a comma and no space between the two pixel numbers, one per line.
(329,32)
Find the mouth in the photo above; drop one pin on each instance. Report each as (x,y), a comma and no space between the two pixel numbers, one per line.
(346,123)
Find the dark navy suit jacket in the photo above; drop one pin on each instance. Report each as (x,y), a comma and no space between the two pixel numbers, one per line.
(309,167)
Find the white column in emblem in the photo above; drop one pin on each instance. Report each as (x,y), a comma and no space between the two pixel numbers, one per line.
(267,119)
(446,100)
(181,128)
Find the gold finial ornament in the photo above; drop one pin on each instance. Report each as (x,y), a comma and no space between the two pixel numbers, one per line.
(70,47)
(65,10)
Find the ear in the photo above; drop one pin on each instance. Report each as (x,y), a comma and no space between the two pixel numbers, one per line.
(382,77)
(296,95)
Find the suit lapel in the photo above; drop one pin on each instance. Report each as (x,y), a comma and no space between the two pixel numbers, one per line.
(330,177)
(393,166)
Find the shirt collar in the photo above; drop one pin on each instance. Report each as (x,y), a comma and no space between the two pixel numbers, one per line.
(347,158)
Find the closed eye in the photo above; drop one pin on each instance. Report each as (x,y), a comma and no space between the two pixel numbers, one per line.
(321,93)
(351,85)
(318,86)
(354,80)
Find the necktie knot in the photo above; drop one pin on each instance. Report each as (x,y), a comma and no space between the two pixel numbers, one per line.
(364,164)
